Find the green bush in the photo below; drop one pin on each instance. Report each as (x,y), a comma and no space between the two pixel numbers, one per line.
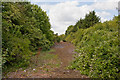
(97,51)
(25,28)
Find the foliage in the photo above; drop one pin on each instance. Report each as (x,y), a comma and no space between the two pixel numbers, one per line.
(57,38)
(89,20)
(62,37)
(97,50)
(70,28)
(25,29)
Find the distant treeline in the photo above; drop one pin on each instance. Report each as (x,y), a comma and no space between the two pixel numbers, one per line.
(96,46)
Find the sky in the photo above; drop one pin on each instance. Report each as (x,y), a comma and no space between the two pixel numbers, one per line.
(63,13)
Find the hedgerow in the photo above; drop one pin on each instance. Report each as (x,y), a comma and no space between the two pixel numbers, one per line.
(97,50)
(25,28)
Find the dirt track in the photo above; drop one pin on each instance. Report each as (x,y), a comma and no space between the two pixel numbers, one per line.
(64,51)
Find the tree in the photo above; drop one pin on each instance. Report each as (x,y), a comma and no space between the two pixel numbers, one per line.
(90,19)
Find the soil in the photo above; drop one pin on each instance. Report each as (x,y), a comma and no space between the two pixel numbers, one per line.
(64,51)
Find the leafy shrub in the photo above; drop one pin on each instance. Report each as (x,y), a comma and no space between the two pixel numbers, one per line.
(57,38)
(97,50)
(25,28)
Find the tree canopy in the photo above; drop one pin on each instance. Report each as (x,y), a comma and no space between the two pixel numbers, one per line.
(89,20)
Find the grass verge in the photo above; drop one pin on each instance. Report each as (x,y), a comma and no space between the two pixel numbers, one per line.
(45,61)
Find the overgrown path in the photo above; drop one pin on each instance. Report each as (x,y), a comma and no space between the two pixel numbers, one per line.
(64,52)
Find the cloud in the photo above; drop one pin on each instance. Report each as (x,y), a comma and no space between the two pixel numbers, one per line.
(104,5)
(103,15)
(73,0)
(68,13)
(64,14)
